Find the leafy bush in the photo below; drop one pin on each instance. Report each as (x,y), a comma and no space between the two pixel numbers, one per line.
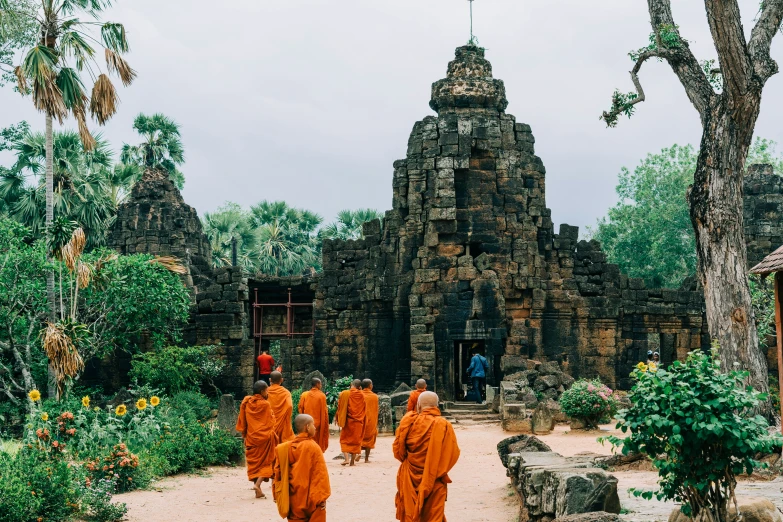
(332,392)
(191,445)
(119,466)
(589,401)
(698,426)
(174,369)
(190,405)
(36,487)
(295,396)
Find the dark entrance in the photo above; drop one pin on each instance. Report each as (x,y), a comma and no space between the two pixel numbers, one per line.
(463,351)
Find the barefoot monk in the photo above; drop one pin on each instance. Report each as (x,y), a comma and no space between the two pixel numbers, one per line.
(301,480)
(371,423)
(426,446)
(351,412)
(282,407)
(256,423)
(313,403)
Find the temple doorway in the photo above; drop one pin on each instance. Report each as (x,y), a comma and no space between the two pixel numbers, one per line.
(463,351)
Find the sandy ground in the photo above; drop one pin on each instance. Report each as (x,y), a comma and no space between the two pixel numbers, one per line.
(480,491)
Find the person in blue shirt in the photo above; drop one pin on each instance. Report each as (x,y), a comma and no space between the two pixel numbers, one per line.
(477,371)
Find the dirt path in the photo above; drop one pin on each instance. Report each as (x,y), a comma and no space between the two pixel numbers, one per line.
(480,491)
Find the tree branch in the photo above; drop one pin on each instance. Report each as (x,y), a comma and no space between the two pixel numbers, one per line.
(768,24)
(620,106)
(729,38)
(681,59)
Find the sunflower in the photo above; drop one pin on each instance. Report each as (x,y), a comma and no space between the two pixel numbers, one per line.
(121,410)
(96,409)
(154,400)
(34,395)
(44,416)
(141,404)
(86,401)
(641,367)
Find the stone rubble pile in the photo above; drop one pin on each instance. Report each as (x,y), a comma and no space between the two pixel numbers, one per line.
(550,486)
(529,397)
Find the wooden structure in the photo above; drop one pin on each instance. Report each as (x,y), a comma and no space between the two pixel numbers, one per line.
(773,264)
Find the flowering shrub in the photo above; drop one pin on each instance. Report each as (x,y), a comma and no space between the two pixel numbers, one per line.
(697,425)
(120,466)
(589,401)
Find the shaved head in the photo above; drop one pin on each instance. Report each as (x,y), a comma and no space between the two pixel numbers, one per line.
(356,383)
(367,383)
(301,422)
(421,384)
(428,400)
(259,387)
(315,382)
(275,377)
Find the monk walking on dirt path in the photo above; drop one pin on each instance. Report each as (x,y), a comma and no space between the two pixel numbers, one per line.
(256,423)
(313,403)
(421,387)
(301,479)
(351,413)
(371,422)
(282,407)
(427,448)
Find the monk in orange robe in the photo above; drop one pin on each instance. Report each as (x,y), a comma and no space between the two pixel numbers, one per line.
(371,423)
(351,413)
(426,446)
(282,407)
(413,400)
(256,423)
(301,479)
(313,403)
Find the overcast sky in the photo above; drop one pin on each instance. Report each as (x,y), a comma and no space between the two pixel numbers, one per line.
(311,101)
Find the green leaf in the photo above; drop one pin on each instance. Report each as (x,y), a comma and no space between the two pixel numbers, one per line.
(113,35)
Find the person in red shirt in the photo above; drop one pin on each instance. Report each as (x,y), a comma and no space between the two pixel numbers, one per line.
(266,364)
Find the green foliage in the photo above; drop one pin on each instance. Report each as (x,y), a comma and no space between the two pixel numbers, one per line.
(135,296)
(119,466)
(332,392)
(161,148)
(648,233)
(17,32)
(762,297)
(287,238)
(295,396)
(227,222)
(589,401)
(349,224)
(174,369)
(697,425)
(621,104)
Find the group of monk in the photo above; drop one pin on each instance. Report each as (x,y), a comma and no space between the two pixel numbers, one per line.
(425,445)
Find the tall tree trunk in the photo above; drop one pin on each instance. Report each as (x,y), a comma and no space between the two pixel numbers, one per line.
(717,215)
(51,387)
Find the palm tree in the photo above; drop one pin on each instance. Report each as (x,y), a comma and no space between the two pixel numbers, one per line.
(161,148)
(56,86)
(231,222)
(80,192)
(349,224)
(287,239)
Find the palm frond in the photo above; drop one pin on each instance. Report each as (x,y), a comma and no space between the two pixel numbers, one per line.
(104,100)
(21,80)
(115,63)
(88,140)
(73,44)
(170,263)
(40,64)
(113,35)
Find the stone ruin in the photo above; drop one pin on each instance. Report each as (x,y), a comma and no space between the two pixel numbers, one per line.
(467,258)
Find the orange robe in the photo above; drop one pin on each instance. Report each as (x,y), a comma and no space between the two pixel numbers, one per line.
(427,448)
(313,403)
(413,400)
(256,423)
(283,408)
(301,480)
(351,413)
(371,422)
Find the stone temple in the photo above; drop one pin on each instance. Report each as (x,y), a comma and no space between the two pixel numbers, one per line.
(467,258)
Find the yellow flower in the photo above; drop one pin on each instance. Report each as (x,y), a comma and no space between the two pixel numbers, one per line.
(641,367)
(121,410)
(154,400)
(653,367)
(141,404)
(44,416)
(34,395)
(86,401)
(96,409)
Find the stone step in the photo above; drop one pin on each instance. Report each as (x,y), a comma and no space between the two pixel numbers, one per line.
(465,406)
